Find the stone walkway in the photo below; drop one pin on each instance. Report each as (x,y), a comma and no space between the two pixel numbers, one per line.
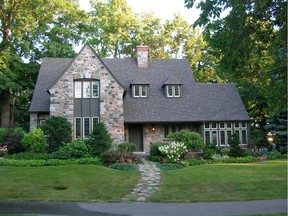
(149,182)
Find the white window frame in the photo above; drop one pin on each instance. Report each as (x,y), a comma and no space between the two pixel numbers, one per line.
(77,89)
(92,126)
(143,91)
(225,138)
(97,88)
(89,126)
(86,89)
(175,91)
(75,126)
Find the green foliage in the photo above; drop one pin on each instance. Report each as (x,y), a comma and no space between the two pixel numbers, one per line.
(99,141)
(193,162)
(29,156)
(273,155)
(154,149)
(208,153)
(193,140)
(156,158)
(110,157)
(127,147)
(49,162)
(235,149)
(75,149)
(174,151)
(124,166)
(12,139)
(34,141)
(170,166)
(58,131)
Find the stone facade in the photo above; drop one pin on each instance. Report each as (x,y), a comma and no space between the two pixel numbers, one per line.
(88,66)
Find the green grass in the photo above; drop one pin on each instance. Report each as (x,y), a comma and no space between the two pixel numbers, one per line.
(225,182)
(66,183)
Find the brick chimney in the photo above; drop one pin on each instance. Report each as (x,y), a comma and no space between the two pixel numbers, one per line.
(142,56)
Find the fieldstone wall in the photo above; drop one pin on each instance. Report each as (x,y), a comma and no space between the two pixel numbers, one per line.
(33,121)
(88,66)
(150,136)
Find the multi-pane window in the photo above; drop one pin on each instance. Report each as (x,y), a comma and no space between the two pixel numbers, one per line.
(86,89)
(171,128)
(221,133)
(172,90)
(84,126)
(140,91)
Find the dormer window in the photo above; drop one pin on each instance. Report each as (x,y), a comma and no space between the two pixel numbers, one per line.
(172,90)
(140,91)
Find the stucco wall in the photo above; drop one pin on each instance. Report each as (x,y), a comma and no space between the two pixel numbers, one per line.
(88,66)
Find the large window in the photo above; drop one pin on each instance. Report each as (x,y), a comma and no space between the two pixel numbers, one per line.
(171,128)
(86,89)
(220,133)
(172,90)
(84,126)
(140,91)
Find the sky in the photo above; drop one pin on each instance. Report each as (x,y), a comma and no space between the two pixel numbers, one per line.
(164,9)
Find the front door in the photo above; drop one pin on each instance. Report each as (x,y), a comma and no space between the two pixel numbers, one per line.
(136,135)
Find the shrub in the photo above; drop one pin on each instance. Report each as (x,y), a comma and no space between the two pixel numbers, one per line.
(170,166)
(273,155)
(28,156)
(34,141)
(208,153)
(193,140)
(125,148)
(99,141)
(75,149)
(58,131)
(110,157)
(124,166)
(193,162)
(156,158)
(154,149)
(173,151)
(12,139)
(3,151)
(236,150)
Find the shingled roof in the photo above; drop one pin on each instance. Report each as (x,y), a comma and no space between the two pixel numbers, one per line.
(198,102)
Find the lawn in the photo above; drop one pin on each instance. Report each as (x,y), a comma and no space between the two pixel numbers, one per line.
(225,182)
(66,183)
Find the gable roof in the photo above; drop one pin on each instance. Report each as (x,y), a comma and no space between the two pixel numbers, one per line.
(198,102)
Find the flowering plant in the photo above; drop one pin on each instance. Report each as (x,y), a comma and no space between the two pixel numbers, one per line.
(173,151)
(3,150)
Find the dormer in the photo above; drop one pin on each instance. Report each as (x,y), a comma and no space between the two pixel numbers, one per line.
(172,88)
(140,88)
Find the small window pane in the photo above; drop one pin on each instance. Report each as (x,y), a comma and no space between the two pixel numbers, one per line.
(207,137)
(136,91)
(95,120)
(222,138)
(229,137)
(78,127)
(214,125)
(229,125)
(177,91)
(86,89)
(166,130)
(222,125)
(243,124)
(170,91)
(244,137)
(95,89)
(86,126)
(144,91)
(207,125)
(77,89)
(236,124)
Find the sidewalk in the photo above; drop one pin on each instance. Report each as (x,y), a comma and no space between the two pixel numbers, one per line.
(146,209)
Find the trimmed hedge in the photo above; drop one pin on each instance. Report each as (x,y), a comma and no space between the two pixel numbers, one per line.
(49,162)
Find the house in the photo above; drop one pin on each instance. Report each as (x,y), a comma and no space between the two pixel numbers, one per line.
(140,100)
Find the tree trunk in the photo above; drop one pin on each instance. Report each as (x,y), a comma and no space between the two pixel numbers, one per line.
(5,109)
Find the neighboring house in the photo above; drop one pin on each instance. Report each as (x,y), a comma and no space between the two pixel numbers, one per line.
(140,100)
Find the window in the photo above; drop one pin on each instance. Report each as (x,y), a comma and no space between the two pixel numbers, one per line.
(229,137)
(207,137)
(222,138)
(172,128)
(78,89)
(140,91)
(86,128)
(173,90)
(78,127)
(95,120)
(95,89)
(86,89)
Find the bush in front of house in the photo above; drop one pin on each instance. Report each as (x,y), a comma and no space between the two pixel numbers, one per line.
(174,151)
(155,153)
(11,138)
(74,149)
(58,131)
(99,141)
(28,156)
(110,157)
(34,141)
(193,140)
(235,148)
(124,166)
(126,148)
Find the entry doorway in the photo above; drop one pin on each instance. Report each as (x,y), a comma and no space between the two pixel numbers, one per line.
(136,135)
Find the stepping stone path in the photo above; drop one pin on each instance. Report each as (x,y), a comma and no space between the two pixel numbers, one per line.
(149,182)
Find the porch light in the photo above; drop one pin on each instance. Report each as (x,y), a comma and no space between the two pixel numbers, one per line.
(270,138)
(153,127)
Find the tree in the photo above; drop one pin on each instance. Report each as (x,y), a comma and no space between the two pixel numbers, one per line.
(251,45)
(23,24)
(99,141)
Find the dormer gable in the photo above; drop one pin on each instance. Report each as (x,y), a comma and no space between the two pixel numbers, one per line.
(172,87)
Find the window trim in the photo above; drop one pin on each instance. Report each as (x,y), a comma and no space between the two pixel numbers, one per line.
(142,91)
(173,89)
(92,89)
(79,92)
